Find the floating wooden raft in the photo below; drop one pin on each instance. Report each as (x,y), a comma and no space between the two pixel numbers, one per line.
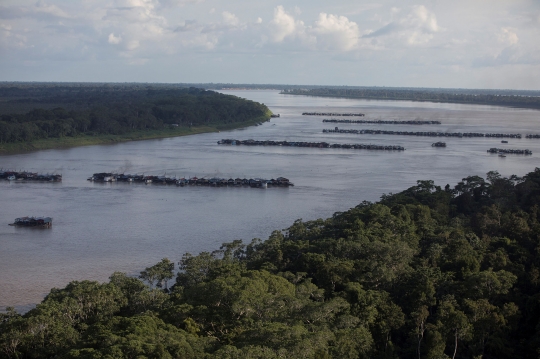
(331,114)
(29,176)
(43,222)
(193,181)
(510,151)
(356,146)
(423,133)
(384,122)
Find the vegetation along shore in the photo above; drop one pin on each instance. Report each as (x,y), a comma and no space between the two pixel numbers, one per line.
(430,272)
(473,97)
(45,116)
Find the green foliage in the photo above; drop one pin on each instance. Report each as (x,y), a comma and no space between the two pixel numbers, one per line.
(159,274)
(431,95)
(116,110)
(141,336)
(425,273)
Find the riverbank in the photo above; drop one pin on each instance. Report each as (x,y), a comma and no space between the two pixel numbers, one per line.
(87,140)
(532,103)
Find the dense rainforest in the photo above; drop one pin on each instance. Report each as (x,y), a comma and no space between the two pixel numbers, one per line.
(40,111)
(430,272)
(474,97)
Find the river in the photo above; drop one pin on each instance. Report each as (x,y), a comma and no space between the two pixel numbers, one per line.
(101,228)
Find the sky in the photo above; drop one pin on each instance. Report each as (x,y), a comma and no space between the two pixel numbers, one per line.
(432,43)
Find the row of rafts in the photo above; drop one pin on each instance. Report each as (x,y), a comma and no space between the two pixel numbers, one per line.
(29,176)
(510,151)
(500,151)
(423,133)
(332,114)
(384,122)
(193,181)
(355,146)
(33,222)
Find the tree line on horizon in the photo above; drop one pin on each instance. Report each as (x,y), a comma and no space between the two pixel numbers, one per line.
(430,95)
(429,272)
(10,88)
(41,112)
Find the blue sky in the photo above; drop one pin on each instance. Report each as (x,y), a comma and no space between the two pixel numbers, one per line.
(436,43)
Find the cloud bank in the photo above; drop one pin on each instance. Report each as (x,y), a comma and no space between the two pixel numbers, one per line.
(404,41)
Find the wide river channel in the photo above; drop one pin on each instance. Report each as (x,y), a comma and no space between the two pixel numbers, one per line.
(100,228)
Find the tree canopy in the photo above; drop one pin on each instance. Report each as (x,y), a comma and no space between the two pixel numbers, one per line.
(429,272)
(40,112)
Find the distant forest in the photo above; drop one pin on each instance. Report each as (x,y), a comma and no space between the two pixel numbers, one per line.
(38,111)
(465,91)
(431,272)
(523,99)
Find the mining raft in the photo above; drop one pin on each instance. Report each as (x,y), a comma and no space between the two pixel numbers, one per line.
(29,176)
(36,222)
(193,181)
(510,151)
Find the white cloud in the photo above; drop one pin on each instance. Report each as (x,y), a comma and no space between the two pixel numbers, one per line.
(178,3)
(12,38)
(5,27)
(336,32)
(508,36)
(230,19)
(52,10)
(132,45)
(507,50)
(421,18)
(282,25)
(412,39)
(189,25)
(422,24)
(115,40)
(141,25)
(415,28)
(138,62)
(204,41)
(135,11)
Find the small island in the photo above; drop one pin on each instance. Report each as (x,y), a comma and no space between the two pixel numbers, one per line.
(37,116)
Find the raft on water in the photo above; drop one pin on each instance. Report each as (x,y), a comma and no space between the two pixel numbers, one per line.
(385,122)
(438,144)
(29,176)
(510,151)
(331,114)
(238,182)
(356,146)
(422,133)
(193,181)
(43,222)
